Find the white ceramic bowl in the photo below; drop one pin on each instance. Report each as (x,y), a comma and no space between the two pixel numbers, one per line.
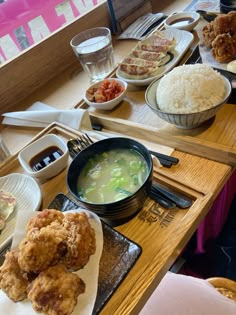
(183,21)
(186,121)
(51,169)
(109,104)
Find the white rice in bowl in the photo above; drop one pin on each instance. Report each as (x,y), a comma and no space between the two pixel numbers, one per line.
(189,89)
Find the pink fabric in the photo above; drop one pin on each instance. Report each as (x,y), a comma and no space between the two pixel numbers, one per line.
(213,223)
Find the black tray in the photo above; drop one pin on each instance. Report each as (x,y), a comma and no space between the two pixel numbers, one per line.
(118,256)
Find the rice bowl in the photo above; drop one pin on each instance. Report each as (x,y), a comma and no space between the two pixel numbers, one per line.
(189,89)
(185,120)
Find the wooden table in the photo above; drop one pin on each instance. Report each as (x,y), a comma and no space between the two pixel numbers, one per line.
(161,233)
(207,159)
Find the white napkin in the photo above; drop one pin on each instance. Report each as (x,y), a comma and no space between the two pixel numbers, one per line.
(89,274)
(180,295)
(99,135)
(41,115)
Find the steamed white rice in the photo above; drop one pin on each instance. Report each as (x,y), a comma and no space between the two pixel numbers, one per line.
(190,89)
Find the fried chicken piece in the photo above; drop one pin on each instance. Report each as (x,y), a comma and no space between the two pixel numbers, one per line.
(81,242)
(224,48)
(208,34)
(45,218)
(55,291)
(233,23)
(42,248)
(13,281)
(225,24)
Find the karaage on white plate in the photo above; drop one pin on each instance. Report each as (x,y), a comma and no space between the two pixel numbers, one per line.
(42,248)
(41,268)
(13,281)
(220,35)
(80,242)
(55,291)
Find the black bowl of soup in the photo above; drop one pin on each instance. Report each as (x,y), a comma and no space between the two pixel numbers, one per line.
(112,178)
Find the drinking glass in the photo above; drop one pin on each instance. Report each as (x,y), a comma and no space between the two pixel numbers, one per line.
(94,50)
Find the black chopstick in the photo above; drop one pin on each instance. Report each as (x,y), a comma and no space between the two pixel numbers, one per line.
(165,163)
(180,200)
(164,202)
(162,156)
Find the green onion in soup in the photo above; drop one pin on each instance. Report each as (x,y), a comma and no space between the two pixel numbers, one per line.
(112,176)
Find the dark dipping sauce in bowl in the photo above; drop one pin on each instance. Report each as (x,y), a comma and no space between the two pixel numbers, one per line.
(182,21)
(45,157)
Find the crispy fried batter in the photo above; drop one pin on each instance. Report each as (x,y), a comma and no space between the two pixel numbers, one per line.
(208,34)
(81,243)
(55,291)
(224,48)
(54,243)
(45,218)
(42,248)
(52,239)
(220,35)
(13,281)
(225,24)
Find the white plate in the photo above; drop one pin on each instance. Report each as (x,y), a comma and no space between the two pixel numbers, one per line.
(183,42)
(28,196)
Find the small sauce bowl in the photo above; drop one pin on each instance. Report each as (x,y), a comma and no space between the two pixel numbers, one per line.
(44,158)
(182,20)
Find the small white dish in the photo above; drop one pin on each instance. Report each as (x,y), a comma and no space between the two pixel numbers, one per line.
(183,21)
(109,104)
(48,165)
(28,196)
(183,41)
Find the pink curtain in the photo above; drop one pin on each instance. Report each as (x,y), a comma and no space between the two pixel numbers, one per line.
(213,223)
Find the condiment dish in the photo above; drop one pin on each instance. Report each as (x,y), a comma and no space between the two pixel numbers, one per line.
(45,157)
(183,21)
(111,89)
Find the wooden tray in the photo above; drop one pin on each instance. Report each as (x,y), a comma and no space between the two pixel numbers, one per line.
(214,140)
(161,233)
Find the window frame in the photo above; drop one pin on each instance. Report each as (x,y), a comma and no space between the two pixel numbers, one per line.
(40,63)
